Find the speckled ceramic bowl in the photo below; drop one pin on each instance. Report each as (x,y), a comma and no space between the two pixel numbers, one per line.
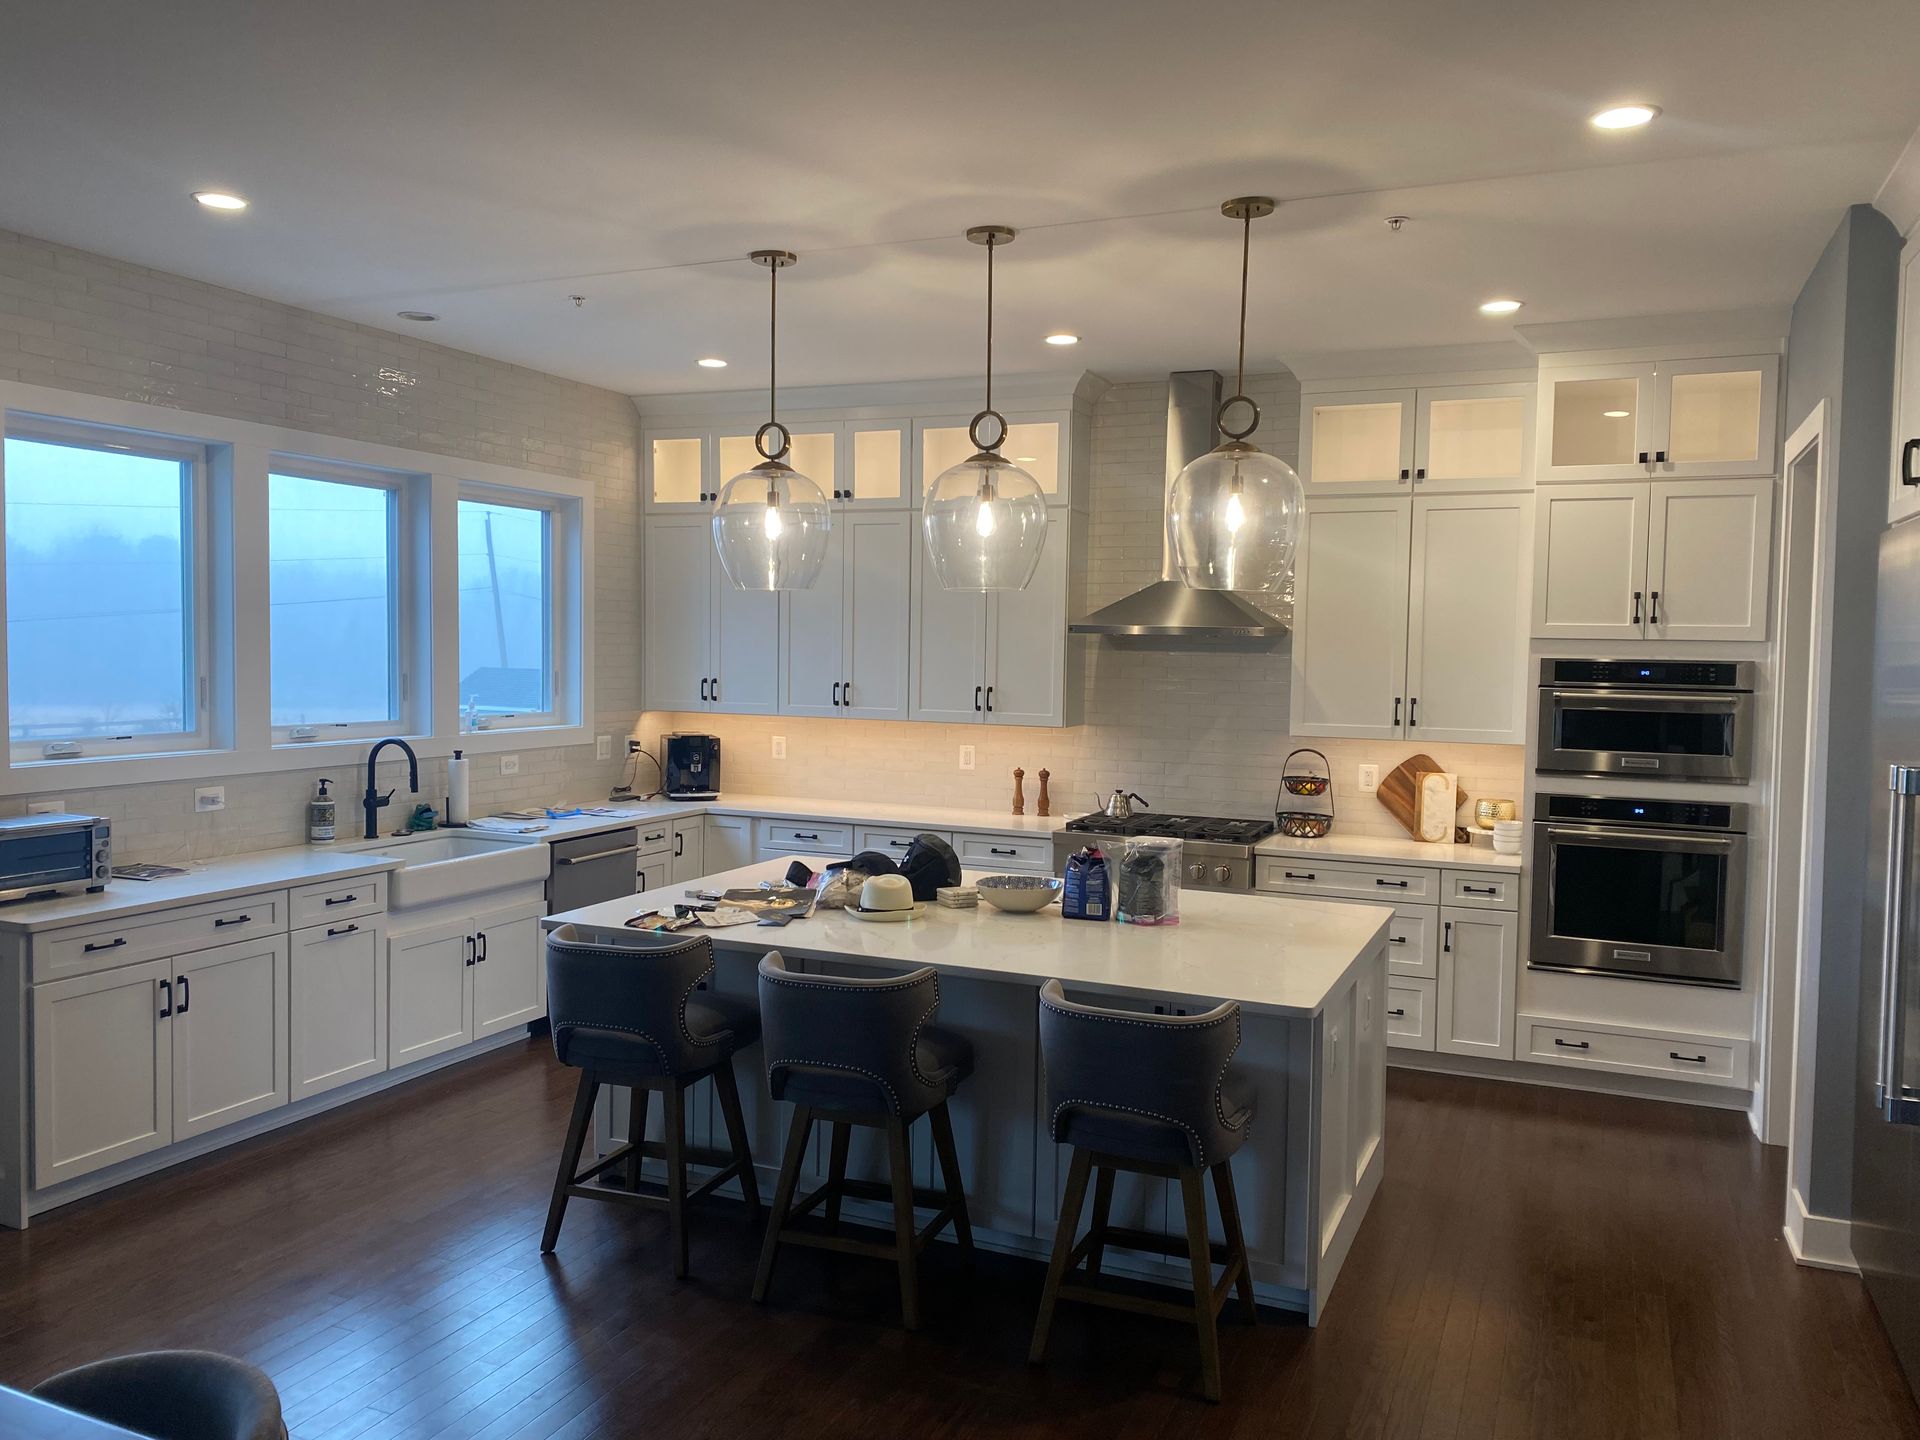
(1019,894)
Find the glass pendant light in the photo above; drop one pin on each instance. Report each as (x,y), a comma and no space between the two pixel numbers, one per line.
(770,523)
(1233,515)
(985,518)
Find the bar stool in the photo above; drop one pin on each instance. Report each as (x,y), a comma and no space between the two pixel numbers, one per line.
(188,1394)
(858,1051)
(630,1011)
(1151,1095)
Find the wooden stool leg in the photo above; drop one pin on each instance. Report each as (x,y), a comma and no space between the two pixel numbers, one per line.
(900,1168)
(1236,1240)
(1199,1253)
(676,1137)
(636,1133)
(728,1089)
(942,1123)
(783,1197)
(570,1157)
(1063,1237)
(1102,1213)
(841,1133)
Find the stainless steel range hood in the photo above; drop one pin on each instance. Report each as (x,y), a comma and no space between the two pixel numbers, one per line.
(1167,609)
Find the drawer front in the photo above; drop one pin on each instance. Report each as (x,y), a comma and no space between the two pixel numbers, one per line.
(891,841)
(1389,884)
(805,839)
(1410,1014)
(339,900)
(655,838)
(85,949)
(1488,889)
(1027,854)
(1712,1060)
(1413,943)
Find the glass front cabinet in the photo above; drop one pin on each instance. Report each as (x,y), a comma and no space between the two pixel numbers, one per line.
(859,463)
(1668,419)
(1436,439)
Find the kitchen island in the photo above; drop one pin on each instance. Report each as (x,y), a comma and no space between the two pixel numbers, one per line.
(1310,977)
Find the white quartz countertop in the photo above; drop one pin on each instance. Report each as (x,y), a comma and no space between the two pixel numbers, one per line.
(206,880)
(1391,849)
(844,811)
(1272,953)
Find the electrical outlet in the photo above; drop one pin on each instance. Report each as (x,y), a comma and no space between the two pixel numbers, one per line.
(603,747)
(633,746)
(209,797)
(779,747)
(1369,779)
(52,805)
(966,757)
(509,764)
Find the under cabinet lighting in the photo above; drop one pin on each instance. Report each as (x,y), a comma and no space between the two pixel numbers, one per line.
(219,200)
(1624,117)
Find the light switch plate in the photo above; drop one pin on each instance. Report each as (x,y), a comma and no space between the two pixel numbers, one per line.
(603,747)
(1369,779)
(966,757)
(779,747)
(52,805)
(509,764)
(209,797)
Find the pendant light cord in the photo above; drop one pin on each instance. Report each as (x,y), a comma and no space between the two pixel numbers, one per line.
(1246,250)
(773,338)
(990,246)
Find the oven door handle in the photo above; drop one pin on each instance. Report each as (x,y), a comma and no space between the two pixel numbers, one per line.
(1680,702)
(1620,838)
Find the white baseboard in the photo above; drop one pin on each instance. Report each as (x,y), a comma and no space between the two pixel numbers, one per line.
(1563,1077)
(1823,1242)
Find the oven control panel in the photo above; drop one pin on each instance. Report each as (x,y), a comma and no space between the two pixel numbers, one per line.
(1650,674)
(1626,810)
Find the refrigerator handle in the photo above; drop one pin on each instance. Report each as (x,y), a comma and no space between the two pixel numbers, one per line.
(1889,1085)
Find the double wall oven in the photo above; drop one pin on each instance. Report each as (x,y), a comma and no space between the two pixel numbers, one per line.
(1653,719)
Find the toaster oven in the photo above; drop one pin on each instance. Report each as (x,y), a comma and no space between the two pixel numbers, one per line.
(43,855)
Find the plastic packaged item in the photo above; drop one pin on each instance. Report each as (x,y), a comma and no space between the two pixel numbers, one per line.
(1149,882)
(457,789)
(1088,891)
(322,814)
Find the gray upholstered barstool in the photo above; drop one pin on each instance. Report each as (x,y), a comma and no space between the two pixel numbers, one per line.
(631,1011)
(1153,1095)
(859,1051)
(173,1395)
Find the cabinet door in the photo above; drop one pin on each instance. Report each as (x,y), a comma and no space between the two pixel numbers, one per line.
(689,851)
(813,632)
(1358,442)
(728,842)
(814,451)
(1709,552)
(948,664)
(1903,491)
(677,623)
(509,971)
(1035,442)
(746,648)
(1716,417)
(1466,631)
(339,1005)
(1350,619)
(875,469)
(102,1070)
(1027,638)
(1596,421)
(877,613)
(230,1017)
(679,475)
(1590,562)
(1473,437)
(428,980)
(1479,952)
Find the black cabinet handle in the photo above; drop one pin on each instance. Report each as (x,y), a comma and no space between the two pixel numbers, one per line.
(335,931)
(223,921)
(1571,1044)
(846,693)
(342,900)
(716,688)
(1403,474)
(114,944)
(1643,457)
(1291,876)
(1479,890)
(1654,615)
(1396,709)
(703,689)
(1671,1055)
(989,699)
(805,835)
(186,998)
(1396,939)
(1446,942)
(1396,884)
(836,692)
(1400,1014)
(1413,711)
(483,947)
(996,850)
(1907,452)
(978,691)
(900,844)
(1659,457)
(470,952)
(166,1003)
(679,843)
(1636,607)
(1421,473)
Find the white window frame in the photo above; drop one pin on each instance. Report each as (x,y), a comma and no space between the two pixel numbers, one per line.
(565,608)
(199,598)
(403,586)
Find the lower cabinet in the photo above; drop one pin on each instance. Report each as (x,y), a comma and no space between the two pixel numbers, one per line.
(461,980)
(1479,963)
(728,841)
(510,970)
(231,1018)
(689,851)
(339,1005)
(1410,1013)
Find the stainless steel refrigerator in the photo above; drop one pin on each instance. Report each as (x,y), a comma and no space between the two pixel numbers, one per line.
(1886,1146)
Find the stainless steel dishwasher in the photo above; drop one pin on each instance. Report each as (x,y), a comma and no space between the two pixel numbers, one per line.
(592,868)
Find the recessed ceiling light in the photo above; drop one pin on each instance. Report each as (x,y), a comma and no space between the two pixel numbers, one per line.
(219,200)
(1616,414)
(1624,117)
(1500,307)
(711,362)
(419,317)
(1061,337)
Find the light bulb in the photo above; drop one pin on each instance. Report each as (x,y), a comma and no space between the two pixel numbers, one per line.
(774,525)
(983,520)
(1236,513)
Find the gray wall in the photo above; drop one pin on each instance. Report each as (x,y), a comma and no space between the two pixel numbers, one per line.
(1840,349)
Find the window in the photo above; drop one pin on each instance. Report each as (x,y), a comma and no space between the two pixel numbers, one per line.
(333,548)
(105,596)
(508,633)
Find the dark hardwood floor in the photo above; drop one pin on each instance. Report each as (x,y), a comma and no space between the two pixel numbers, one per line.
(1538,1263)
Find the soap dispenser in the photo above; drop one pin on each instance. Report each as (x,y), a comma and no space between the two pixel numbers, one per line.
(321,813)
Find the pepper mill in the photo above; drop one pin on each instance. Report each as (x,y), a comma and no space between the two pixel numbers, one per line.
(1019,799)
(1043,809)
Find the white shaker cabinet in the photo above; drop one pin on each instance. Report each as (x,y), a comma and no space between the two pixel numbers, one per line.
(1663,419)
(1350,619)
(1590,562)
(338,989)
(1479,963)
(230,1032)
(427,1011)
(705,645)
(844,640)
(1437,439)
(510,969)
(689,852)
(1903,488)
(727,842)
(102,1070)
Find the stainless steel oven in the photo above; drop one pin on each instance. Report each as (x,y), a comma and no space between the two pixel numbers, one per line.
(1662,719)
(1652,889)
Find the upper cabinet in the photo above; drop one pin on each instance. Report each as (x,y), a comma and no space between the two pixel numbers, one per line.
(1037,443)
(843,642)
(1668,419)
(1434,439)
(706,645)
(1903,497)
(862,463)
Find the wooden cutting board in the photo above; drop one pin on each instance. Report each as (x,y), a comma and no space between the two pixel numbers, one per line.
(1400,791)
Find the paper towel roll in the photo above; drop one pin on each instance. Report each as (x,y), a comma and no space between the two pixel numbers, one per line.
(457,789)
(1437,798)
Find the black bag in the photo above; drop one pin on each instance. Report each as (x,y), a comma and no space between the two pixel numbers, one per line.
(928,864)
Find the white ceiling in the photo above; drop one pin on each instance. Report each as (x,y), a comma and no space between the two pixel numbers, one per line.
(486,159)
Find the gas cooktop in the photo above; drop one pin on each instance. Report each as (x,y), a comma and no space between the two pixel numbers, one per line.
(1198,828)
